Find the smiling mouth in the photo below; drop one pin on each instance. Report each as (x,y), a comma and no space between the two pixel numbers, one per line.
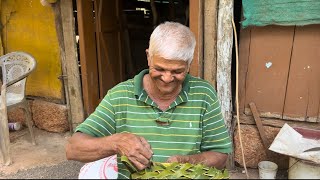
(163,84)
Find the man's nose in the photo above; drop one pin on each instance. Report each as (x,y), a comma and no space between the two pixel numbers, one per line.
(167,77)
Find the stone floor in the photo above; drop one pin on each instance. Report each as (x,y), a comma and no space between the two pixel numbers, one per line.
(239,173)
(47,159)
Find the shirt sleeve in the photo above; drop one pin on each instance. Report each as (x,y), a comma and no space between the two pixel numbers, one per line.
(215,136)
(101,122)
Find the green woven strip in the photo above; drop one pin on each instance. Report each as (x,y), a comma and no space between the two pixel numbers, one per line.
(175,171)
(128,164)
(280,12)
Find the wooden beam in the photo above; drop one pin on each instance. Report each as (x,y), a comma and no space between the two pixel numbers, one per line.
(196,26)
(4,129)
(58,26)
(319,112)
(1,41)
(244,119)
(71,62)
(257,119)
(59,29)
(224,58)
(244,48)
(88,56)
(154,13)
(210,41)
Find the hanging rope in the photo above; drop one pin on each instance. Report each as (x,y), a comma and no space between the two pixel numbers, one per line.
(237,97)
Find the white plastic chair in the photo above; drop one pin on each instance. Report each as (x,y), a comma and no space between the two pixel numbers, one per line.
(16,66)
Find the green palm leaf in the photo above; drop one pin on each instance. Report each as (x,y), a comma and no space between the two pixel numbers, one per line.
(175,171)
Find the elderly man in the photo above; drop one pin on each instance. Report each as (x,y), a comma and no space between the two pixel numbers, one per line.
(163,113)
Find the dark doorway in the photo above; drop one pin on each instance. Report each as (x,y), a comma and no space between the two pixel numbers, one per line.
(113,36)
(140,18)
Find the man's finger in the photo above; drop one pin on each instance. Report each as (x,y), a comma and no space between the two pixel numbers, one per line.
(143,160)
(137,163)
(145,143)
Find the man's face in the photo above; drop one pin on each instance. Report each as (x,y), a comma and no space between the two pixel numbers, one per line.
(167,75)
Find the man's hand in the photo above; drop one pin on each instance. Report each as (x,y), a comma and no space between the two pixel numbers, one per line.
(136,148)
(209,158)
(85,148)
(176,159)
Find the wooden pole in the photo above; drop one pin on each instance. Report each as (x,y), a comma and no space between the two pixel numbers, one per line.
(261,131)
(154,13)
(224,59)
(196,26)
(4,129)
(62,77)
(71,64)
(210,41)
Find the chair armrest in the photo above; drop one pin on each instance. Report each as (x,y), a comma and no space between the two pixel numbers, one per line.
(13,81)
(16,80)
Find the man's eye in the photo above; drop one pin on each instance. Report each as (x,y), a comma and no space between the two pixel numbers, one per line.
(177,72)
(157,69)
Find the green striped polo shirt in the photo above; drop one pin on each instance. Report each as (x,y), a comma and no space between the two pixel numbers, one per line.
(195,119)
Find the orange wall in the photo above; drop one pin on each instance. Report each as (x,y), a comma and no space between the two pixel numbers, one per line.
(29,26)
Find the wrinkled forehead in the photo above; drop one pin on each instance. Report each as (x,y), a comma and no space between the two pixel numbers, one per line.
(158,61)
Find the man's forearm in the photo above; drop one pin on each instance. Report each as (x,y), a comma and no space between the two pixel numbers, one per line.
(209,158)
(84,148)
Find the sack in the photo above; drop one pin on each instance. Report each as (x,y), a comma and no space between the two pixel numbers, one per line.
(105,168)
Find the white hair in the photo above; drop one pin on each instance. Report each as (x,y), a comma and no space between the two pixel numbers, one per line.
(173,41)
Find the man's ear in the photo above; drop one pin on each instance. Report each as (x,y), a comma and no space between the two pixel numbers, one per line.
(148,56)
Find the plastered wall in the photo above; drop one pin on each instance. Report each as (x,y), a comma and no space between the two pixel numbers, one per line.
(27,25)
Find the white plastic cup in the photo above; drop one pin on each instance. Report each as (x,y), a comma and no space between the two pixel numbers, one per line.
(267,170)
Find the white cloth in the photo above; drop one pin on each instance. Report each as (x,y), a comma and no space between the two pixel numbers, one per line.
(291,143)
(105,168)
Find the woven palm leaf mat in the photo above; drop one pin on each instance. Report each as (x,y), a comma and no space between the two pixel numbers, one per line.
(175,171)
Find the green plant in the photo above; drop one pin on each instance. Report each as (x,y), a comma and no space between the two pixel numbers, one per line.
(175,171)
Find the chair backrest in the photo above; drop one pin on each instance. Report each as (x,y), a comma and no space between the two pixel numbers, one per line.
(16,66)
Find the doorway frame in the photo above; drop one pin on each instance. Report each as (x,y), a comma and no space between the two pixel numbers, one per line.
(88,49)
